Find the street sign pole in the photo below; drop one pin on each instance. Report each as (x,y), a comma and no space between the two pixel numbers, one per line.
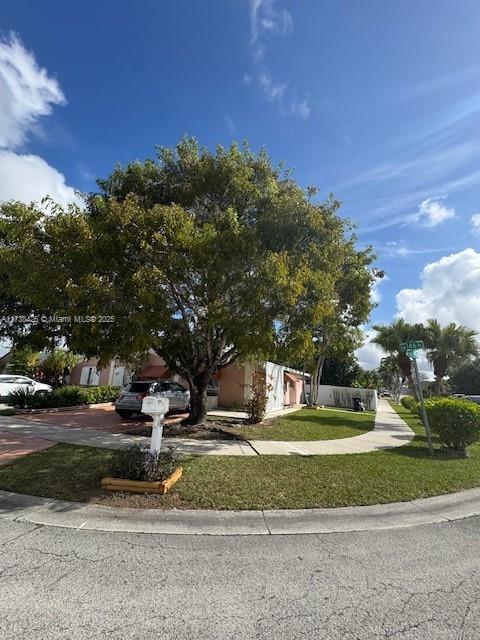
(422,405)
(410,349)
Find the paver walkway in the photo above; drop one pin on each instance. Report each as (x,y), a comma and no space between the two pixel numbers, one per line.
(13,446)
(390,431)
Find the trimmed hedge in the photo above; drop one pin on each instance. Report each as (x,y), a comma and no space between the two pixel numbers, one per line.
(68,396)
(409,403)
(456,422)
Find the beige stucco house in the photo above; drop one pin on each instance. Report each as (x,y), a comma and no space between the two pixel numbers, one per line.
(229,388)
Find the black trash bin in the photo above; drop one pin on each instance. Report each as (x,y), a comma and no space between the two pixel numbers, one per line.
(356,403)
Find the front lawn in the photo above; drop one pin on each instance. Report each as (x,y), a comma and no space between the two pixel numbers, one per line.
(308,424)
(263,482)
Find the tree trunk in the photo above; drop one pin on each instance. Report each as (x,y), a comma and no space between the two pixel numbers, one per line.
(438,385)
(413,387)
(198,398)
(316,378)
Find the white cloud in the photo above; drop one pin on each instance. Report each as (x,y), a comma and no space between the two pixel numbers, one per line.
(265,17)
(449,292)
(432,212)
(266,20)
(27,92)
(400,249)
(300,107)
(375,293)
(475,222)
(273,91)
(29,178)
(370,354)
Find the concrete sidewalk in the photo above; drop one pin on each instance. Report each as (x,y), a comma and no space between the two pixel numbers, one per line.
(390,431)
(106,440)
(74,515)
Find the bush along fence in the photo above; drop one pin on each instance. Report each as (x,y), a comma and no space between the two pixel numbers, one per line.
(68,396)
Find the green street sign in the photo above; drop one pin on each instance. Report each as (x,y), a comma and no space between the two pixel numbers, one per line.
(412,346)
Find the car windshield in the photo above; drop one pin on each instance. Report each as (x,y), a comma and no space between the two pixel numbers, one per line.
(138,387)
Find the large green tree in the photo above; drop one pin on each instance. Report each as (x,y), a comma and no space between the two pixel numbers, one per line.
(201,256)
(465,377)
(334,329)
(341,372)
(448,346)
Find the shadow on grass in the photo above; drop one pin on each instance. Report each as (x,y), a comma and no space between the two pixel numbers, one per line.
(419,449)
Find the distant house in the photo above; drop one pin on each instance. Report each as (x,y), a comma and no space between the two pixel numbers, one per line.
(229,388)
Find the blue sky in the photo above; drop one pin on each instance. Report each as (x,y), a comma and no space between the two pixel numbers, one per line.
(377,101)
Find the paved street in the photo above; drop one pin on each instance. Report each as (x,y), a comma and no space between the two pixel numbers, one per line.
(415,583)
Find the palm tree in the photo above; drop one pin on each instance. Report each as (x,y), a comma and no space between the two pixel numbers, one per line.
(390,375)
(449,345)
(24,361)
(57,365)
(390,336)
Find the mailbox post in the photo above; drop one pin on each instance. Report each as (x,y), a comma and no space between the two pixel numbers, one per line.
(157,407)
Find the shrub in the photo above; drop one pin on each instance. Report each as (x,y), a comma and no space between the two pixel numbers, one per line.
(256,405)
(67,396)
(409,403)
(137,463)
(20,398)
(94,395)
(455,422)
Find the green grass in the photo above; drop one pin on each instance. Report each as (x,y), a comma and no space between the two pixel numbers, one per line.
(308,424)
(7,412)
(66,472)
(263,482)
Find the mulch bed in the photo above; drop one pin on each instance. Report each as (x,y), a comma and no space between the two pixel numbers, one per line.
(213,429)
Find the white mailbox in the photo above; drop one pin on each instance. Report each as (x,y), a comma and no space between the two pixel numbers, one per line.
(156,406)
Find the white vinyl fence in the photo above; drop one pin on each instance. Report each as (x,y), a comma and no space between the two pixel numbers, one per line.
(343,396)
(274,380)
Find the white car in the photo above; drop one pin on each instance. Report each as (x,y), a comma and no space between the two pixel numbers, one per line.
(9,383)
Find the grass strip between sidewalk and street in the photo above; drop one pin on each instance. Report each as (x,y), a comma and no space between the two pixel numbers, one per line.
(265,482)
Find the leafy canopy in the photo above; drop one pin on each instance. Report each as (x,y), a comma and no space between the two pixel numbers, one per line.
(200,255)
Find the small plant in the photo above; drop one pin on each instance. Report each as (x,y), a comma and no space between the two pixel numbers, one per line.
(409,402)
(137,463)
(455,422)
(20,398)
(256,404)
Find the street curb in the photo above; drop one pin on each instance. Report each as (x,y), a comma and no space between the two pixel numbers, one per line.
(16,507)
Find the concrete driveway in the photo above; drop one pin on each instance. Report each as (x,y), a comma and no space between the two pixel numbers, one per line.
(101,418)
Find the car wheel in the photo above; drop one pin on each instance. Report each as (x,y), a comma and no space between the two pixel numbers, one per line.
(125,414)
